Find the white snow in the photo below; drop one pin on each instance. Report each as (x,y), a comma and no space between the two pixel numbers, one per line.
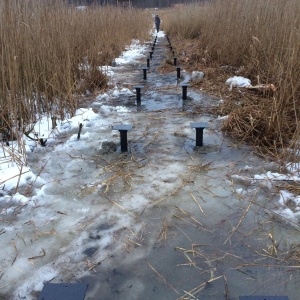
(132,53)
(238,81)
(276,176)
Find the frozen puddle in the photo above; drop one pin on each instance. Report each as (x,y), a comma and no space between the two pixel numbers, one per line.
(161,221)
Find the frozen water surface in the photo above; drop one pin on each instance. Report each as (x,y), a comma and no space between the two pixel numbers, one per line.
(165,220)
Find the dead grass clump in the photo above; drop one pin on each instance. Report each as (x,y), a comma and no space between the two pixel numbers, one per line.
(293,255)
(248,124)
(92,81)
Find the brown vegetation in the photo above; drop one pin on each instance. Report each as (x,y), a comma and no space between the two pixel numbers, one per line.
(252,38)
(51,53)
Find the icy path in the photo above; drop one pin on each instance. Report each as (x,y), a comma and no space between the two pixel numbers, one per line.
(163,221)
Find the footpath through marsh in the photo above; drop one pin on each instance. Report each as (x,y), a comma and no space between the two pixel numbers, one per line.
(165,220)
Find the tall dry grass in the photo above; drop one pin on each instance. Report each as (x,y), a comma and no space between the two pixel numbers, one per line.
(50,53)
(264,38)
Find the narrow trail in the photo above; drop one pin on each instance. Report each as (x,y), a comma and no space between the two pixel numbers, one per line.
(159,91)
(164,220)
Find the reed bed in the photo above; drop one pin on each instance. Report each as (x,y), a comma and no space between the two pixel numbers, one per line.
(256,39)
(51,54)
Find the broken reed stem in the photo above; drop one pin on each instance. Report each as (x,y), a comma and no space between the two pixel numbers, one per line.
(39,174)
(152,140)
(267,266)
(191,263)
(16,190)
(79,130)
(170,194)
(215,195)
(226,287)
(275,213)
(135,243)
(199,288)
(189,215)
(240,221)
(119,206)
(163,233)
(14,177)
(162,278)
(184,233)
(43,253)
(17,253)
(195,200)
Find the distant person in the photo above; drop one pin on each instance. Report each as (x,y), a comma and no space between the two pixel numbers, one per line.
(157,22)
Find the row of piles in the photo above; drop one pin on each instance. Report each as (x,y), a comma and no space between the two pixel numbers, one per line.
(145,70)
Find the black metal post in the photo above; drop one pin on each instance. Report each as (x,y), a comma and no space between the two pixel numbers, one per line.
(150,53)
(145,73)
(148,62)
(123,128)
(199,136)
(184,91)
(123,140)
(175,61)
(138,94)
(178,72)
(199,132)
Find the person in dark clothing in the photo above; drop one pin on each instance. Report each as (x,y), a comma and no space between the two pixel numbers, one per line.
(157,22)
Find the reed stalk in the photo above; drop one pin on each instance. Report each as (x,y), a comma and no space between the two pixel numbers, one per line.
(261,38)
(51,54)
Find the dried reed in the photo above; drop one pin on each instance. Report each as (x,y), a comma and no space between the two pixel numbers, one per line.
(256,39)
(51,53)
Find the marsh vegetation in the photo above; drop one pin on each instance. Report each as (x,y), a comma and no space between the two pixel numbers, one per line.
(256,39)
(52,53)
